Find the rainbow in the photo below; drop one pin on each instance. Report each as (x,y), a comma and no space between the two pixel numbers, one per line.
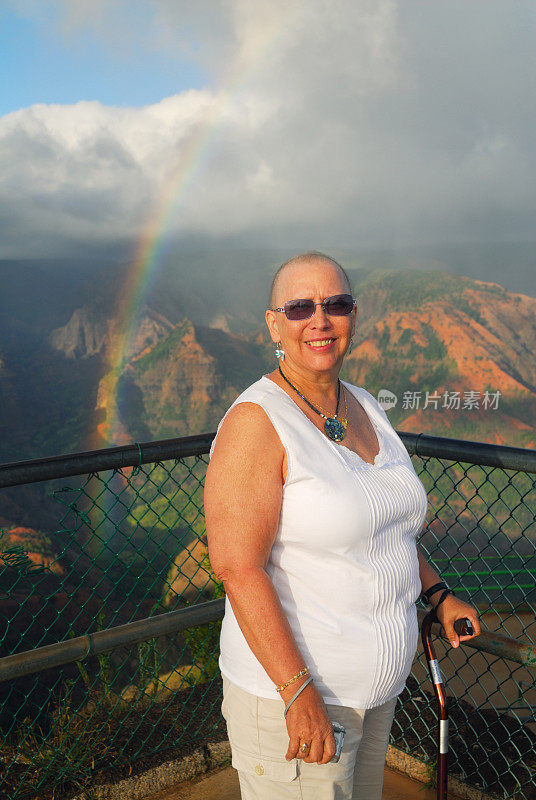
(153,238)
(145,262)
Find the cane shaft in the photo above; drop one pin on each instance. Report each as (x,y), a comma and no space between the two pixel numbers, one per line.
(443,721)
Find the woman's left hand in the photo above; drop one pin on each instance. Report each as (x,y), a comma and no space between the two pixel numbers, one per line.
(452,609)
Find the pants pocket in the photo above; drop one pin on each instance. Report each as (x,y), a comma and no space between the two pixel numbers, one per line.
(270,769)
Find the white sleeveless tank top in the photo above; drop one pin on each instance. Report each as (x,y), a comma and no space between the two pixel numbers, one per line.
(344,560)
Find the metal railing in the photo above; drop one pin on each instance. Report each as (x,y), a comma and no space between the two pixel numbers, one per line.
(106,661)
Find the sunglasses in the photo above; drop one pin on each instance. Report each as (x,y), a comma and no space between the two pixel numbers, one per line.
(339,305)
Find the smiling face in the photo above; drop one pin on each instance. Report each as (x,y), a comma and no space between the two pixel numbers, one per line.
(316,345)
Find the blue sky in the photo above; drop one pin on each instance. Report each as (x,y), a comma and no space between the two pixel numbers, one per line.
(39,65)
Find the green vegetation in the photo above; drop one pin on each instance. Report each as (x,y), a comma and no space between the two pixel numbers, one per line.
(406,289)
(462,304)
(406,337)
(435,350)
(240,360)
(67,753)
(163,350)
(384,339)
(412,289)
(203,641)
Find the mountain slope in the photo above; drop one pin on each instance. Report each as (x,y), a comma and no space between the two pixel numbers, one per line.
(431,333)
(417,332)
(89,332)
(457,353)
(188,380)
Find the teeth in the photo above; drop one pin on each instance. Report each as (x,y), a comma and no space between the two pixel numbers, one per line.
(323,343)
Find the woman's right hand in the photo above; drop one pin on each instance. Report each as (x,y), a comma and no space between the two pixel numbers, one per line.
(308,722)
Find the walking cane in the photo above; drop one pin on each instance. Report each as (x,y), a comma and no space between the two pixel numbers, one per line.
(463,628)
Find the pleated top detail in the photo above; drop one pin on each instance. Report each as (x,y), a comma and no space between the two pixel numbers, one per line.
(344,560)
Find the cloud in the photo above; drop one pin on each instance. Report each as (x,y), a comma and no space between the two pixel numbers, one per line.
(341,122)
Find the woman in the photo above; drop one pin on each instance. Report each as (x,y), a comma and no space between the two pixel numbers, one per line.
(312,511)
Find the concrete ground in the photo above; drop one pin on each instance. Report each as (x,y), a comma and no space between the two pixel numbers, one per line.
(223,785)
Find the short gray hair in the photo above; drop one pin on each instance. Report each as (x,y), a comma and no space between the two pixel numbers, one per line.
(300,259)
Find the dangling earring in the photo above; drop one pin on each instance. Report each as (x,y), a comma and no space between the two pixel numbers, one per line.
(351,346)
(279,353)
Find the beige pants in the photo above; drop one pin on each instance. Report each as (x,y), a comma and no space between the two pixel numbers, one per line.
(259,740)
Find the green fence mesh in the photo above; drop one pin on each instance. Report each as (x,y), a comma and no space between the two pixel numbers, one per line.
(131,544)
(480,535)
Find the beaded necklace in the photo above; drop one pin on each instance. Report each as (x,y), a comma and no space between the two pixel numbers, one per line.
(334,428)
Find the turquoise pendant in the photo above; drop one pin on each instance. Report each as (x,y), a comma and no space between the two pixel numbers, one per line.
(334,429)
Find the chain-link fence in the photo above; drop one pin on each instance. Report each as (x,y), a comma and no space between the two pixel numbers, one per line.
(130,546)
(480,535)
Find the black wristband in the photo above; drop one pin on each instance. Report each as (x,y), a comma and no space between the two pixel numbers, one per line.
(426,595)
(446,592)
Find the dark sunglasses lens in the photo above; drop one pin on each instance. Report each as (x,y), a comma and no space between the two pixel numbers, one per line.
(299,309)
(339,305)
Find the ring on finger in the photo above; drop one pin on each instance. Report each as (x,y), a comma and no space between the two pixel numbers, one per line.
(304,748)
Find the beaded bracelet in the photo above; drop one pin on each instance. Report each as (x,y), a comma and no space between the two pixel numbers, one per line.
(300,674)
